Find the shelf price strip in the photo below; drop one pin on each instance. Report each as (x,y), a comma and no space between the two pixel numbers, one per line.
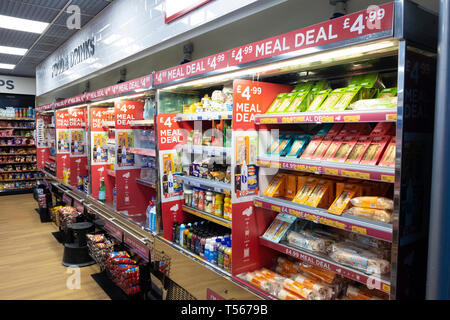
(138,247)
(312,259)
(323,169)
(316,218)
(113,230)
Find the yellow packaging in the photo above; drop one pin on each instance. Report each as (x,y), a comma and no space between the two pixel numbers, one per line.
(373,203)
(276,186)
(291,186)
(319,197)
(343,199)
(242,150)
(305,191)
(301,179)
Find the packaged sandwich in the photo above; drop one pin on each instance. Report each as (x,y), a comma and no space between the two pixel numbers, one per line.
(375,150)
(326,127)
(350,95)
(343,199)
(322,148)
(303,86)
(296,288)
(359,293)
(287,101)
(312,146)
(373,203)
(307,240)
(388,158)
(335,129)
(287,295)
(333,147)
(327,276)
(298,146)
(291,186)
(332,99)
(344,149)
(274,145)
(387,93)
(359,149)
(276,103)
(323,291)
(299,102)
(318,100)
(276,186)
(279,227)
(372,214)
(319,197)
(305,191)
(358,258)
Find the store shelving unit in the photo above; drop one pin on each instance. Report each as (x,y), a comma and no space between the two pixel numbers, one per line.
(21,185)
(227,115)
(206,150)
(207,216)
(206,184)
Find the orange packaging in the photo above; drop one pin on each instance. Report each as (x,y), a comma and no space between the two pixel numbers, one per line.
(298,289)
(286,295)
(333,147)
(291,186)
(344,149)
(276,186)
(325,275)
(343,199)
(301,179)
(286,265)
(305,191)
(359,149)
(319,197)
(375,150)
(322,148)
(312,146)
(382,129)
(388,158)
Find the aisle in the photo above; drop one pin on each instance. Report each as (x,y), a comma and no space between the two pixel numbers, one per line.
(30,263)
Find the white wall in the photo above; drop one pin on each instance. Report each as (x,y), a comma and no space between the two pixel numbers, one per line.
(285,17)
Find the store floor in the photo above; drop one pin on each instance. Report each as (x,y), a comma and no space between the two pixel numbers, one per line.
(30,263)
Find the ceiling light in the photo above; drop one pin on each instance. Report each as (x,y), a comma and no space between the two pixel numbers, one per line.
(13,50)
(7,66)
(26,25)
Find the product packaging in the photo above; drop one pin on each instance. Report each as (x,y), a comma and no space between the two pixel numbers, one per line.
(355,129)
(335,129)
(298,146)
(280,225)
(299,102)
(306,190)
(333,147)
(307,240)
(359,149)
(387,93)
(322,148)
(319,99)
(332,99)
(276,186)
(326,127)
(375,150)
(344,149)
(382,129)
(350,95)
(276,103)
(291,186)
(287,101)
(320,196)
(388,158)
(373,203)
(312,146)
(372,214)
(343,198)
(374,104)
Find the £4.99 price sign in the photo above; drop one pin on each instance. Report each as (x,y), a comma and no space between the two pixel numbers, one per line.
(169,132)
(373,20)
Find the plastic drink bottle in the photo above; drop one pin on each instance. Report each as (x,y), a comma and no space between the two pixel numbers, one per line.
(220,255)
(185,235)
(153,215)
(181,235)
(227,257)
(148,215)
(102,191)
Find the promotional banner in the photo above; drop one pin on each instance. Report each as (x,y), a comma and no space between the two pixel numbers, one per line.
(100,161)
(78,152)
(62,146)
(170,135)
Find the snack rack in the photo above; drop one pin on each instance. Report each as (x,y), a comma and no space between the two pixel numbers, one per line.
(18,172)
(399,49)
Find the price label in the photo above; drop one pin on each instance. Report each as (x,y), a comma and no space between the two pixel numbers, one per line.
(351,118)
(387,178)
(258,204)
(391,117)
(327,119)
(333,172)
(300,167)
(359,230)
(292,253)
(299,119)
(313,169)
(275,208)
(238,55)
(355,174)
(263,163)
(339,225)
(295,213)
(268,120)
(286,120)
(311,217)
(386,288)
(247,91)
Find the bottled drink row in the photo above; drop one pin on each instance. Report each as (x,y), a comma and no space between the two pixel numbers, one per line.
(208,240)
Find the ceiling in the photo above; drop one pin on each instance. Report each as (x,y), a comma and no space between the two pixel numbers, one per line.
(41,45)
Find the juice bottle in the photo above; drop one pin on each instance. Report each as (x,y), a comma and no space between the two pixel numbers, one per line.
(227,257)
(219,205)
(220,254)
(181,234)
(185,235)
(189,241)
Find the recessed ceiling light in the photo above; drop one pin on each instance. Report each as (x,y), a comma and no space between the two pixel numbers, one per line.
(7,66)
(26,25)
(13,50)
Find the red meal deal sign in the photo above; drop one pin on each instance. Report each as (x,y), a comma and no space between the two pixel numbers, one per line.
(77,118)
(127,111)
(170,134)
(200,66)
(373,20)
(62,119)
(124,87)
(98,117)
(251,98)
(44,107)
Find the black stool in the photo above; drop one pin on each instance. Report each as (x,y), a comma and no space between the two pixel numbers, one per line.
(77,252)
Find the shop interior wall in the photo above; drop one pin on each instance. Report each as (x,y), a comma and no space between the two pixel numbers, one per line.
(285,17)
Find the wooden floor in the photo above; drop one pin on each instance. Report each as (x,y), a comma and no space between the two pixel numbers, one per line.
(30,257)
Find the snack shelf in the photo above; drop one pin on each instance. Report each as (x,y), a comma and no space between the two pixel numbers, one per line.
(207,184)
(1,172)
(17,128)
(143,152)
(208,150)
(2,163)
(15,180)
(111,173)
(17,154)
(376,281)
(143,123)
(341,169)
(16,137)
(146,183)
(16,190)
(385,115)
(17,145)
(374,229)
(228,115)
(207,216)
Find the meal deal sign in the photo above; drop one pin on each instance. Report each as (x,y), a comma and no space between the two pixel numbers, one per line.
(127,111)
(373,20)
(200,66)
(251,98)
(169,132)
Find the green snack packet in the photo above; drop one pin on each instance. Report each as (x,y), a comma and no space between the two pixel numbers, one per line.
(387,93)
(319,98)
(370,80)
(289,97)
(299,103)
(318,87)
(349,96)
(332,99)
(304,86)
(276,103)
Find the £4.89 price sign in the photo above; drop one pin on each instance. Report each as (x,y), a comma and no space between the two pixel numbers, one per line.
(373,20)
